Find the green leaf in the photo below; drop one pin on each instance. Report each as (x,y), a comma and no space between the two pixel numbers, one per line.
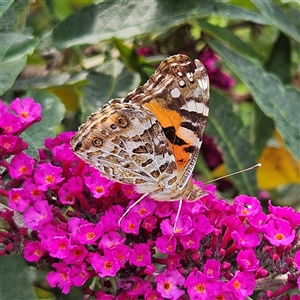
(13,56)
(4,5)
(42,82)
(279,61)
(125,19)
(227,128)
(277,18)
(227,36)
(112,80)
(13,19)
(52,114)
(261,137)
(276,100)
(15,278)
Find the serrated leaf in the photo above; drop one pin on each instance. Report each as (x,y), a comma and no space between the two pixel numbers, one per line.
(227,128)
(53,112)
(278,101)
(15,279)
(227,36)
(125,19)
(277,17)
(4,5)
(112,80)
(13,56)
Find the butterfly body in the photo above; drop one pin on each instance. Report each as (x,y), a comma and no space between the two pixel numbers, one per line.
(152,137)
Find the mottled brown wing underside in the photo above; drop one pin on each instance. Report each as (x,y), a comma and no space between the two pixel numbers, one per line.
(152,137)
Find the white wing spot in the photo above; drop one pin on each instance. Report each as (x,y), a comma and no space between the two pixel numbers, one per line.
(190,77)
(175,93)
(182,83)
(198,107)
(179,74)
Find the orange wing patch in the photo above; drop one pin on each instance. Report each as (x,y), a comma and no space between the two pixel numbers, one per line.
(183,138)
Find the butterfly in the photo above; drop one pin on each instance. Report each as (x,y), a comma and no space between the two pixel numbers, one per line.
(152,137)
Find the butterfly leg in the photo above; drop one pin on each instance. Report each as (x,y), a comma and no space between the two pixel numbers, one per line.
(176,218)
(131,206)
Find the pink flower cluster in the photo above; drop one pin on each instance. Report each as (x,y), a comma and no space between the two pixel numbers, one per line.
(219,250)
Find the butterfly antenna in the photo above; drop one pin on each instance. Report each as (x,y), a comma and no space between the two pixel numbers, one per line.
(235,173)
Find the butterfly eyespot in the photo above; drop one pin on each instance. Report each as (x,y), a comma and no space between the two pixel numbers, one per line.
(104,132)
(97,142)
(113,126)
(122,122)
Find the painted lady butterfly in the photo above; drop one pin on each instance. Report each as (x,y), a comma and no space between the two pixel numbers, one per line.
(152,137)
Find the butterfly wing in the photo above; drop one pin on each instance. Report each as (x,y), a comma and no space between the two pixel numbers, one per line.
(178,96)
(152,137)
(127,144)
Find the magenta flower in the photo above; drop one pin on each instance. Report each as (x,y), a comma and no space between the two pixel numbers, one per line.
(27,109)
(245,239)
(122,253)
(279,232)
(10,124)
(140,255)
(97,184)
(61,278)
(247,206)
(242,284)
(38,215)
(79,274)
(145,208)
(66,196)
(60,247)
(89,233)
(149,223)
(33,251)
(168,284)
(212,269)
(47,176)
(77,254)
(165,244)
(152,294)
(198,286)
(10,144)
(247,260)
(111,217)
(31,187)
(164,209)
(131,223)
(19,199)
(106,265)
(287,213)
(21,165)
(110,240)
(184,226)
